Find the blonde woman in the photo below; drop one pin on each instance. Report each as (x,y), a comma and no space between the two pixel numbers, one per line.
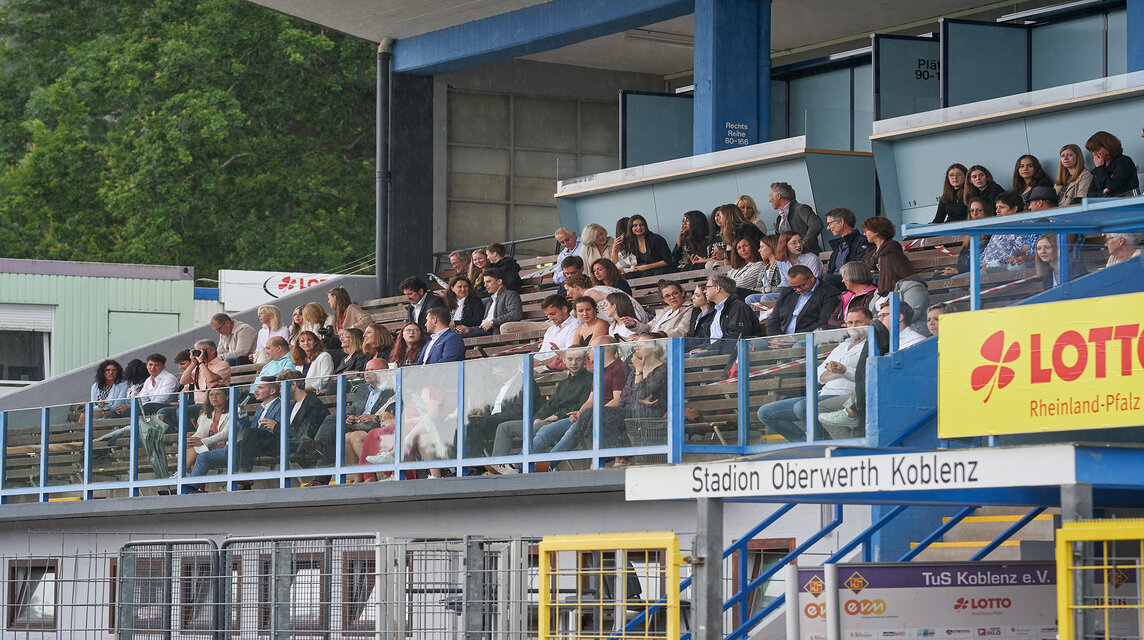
(271,319)
(1073,179)
(377,341)
(750,211)
(595,243)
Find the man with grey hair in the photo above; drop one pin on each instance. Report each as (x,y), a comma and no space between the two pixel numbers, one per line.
(796,217)
(236,339)
(206,371)
(570,246)
(1121,247)
(733,319)
(805,306)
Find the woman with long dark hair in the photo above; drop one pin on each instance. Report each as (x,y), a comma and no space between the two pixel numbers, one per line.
(109,392)
(604,272)
(951,204)
(691,248)
(650,249)
(1029,173)
(981,185)
(621,247)
(465,308)
(310,357)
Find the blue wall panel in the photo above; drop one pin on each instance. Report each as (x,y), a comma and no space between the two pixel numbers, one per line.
(1061,52)
(654,128)
(983,60)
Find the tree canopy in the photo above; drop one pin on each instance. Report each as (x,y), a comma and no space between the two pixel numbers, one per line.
(212,133)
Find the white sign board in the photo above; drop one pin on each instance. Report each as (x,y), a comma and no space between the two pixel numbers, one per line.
(999,601)
(241,290)
(976,468)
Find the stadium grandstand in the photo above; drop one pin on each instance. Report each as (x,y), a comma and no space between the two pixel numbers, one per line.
(802,296)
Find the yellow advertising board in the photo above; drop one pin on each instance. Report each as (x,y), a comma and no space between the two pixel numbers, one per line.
(1046,367)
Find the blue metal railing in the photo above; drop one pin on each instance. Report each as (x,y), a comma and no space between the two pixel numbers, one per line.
(57,454)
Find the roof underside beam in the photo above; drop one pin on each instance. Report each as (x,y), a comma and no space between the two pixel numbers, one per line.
(542,27)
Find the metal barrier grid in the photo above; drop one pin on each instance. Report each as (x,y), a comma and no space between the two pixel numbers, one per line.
(610,586)
(1100,572)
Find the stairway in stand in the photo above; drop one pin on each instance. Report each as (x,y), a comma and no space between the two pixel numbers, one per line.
(1033,542)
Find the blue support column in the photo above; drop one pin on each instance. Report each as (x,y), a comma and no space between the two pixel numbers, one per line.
(1135,28)
(732,74)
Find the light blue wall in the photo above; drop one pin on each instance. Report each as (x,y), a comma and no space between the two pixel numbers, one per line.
(1063,52)
(983,60)
(911,169)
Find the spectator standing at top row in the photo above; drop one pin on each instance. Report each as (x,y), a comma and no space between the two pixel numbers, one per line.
(795,217)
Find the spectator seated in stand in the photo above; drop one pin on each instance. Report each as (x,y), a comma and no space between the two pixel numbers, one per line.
(377,341)
(505,305)
(691,247)
(309,356)
(444,345)
(278,352)
(236,339)
(212,428)
(579,286)
(481,428)
(305,413)
(859,291)
(885,255)
(559,433)
(1029,173)
(835,374)
(1073,178)
(847,246)
(354,359)
(590,326)
(618,307)
(936,311)
(805,306)
(345,313)
(271,319)
(1121,247)
(508,269)
(569,396)
(795,217)
(907,336)
(570,266)
(477,264)
(791,252)
(595,243)
(1113,173)
(569,246)
(979,209)
(259,437)
(621,253)
(1008,249)
(951,203)
(750,213)
(732,319)
(315,318)
(160,386)
(460,262)
(134,374)
(559,336)
(673,319)
(109,391)
(981,185)
(465,308)
(605,273)
(407,345)
(369,408)
(726,219)
(205,371)
(421,300)
(653,256)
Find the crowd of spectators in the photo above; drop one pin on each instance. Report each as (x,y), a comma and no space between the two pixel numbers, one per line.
(750,284)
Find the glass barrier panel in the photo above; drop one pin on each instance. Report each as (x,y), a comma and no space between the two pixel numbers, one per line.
(777,388)
(370,428)
(640,420)
(562,388)
(157,438)
(429,407)
(494,394)
(22,449)
(837,352)
(710,395)
(65,439)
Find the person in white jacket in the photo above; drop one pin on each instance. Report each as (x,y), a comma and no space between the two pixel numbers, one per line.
(836,374)
(213,426)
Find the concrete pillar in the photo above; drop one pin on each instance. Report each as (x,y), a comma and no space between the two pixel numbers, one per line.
(732,73)
(707,610)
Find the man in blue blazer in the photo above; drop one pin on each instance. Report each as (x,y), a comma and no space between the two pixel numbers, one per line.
(445,345)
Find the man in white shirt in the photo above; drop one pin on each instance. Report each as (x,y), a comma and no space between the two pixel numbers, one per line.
(559,336)
(571,245)
(836,374)
(159,388)
(907,337)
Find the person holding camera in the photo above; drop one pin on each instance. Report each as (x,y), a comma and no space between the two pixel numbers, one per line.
(206,371)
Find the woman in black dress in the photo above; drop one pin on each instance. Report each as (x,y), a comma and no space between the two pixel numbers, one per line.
(652,254)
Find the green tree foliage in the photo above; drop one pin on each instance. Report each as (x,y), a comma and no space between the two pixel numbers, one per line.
(210,133)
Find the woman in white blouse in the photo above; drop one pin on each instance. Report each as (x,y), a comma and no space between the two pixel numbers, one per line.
(212,428)
(271,319)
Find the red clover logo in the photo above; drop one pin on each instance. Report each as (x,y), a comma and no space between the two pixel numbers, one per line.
(995,374)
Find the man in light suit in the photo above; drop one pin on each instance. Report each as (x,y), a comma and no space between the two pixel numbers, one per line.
(505,305)
(796,217)
(445,345)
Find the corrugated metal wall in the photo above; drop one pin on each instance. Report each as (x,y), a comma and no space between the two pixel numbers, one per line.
(80,334)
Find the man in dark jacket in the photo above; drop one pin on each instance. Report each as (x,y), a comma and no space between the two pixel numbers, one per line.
(848,246)
(796,217)
(420,300)
(732,320)
(806,306)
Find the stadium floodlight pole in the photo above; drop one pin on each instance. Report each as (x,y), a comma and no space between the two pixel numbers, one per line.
(384,178)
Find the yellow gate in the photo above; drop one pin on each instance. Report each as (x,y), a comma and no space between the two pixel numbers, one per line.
(1099,579)
(610,586)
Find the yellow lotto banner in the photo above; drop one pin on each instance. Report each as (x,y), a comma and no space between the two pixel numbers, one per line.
(1043,367)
